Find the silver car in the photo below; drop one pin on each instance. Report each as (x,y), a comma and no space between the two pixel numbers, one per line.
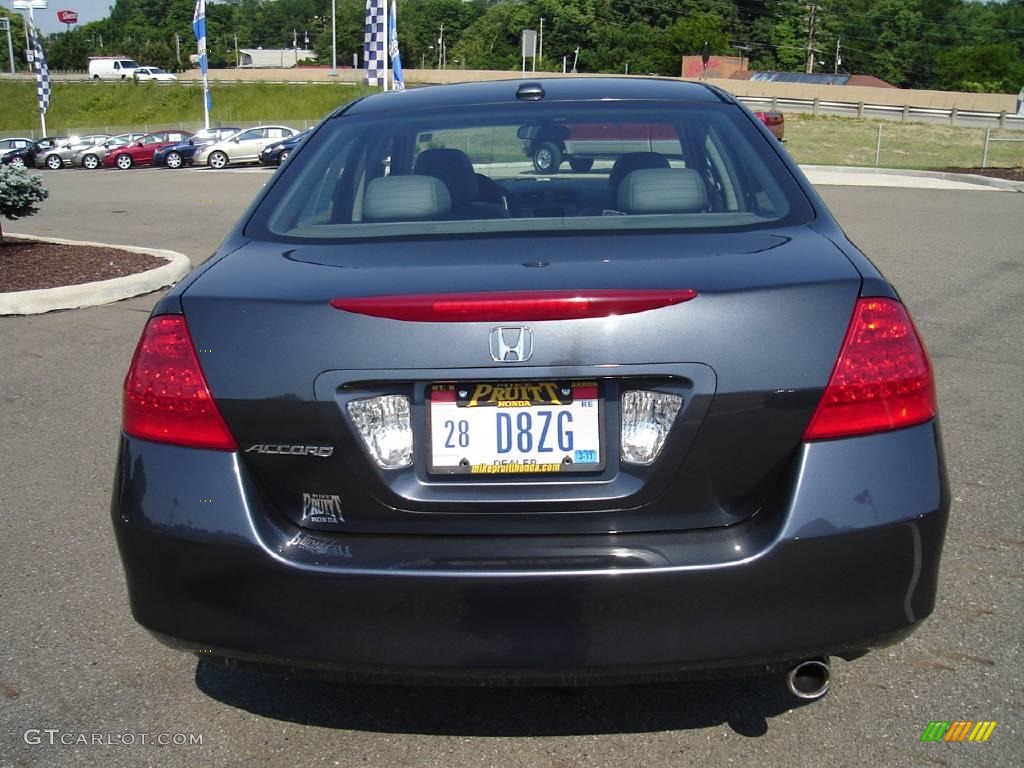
(59,156)
(244,147)
(91,157)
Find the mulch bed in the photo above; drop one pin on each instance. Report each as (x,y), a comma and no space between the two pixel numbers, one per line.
(29,264)
(1011,174)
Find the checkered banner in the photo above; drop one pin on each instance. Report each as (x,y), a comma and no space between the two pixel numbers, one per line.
(373,43)
(41,70)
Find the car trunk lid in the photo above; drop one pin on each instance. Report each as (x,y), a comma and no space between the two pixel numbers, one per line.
(749,357)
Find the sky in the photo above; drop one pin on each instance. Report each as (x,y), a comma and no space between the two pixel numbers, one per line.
(88,10)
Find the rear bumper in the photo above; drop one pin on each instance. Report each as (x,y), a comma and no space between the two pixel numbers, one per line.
(850,563)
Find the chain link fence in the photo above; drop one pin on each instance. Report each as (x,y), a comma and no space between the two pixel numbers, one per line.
(915,146)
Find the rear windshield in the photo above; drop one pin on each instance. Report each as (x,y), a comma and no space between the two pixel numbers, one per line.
(562,166)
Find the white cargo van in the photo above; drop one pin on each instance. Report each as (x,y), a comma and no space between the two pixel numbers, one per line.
(111,67)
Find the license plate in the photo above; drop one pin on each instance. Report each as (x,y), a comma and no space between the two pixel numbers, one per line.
(521,427)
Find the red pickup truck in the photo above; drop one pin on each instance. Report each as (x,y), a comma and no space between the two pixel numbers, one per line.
(549,145)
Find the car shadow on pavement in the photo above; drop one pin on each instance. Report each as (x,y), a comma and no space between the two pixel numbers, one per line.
(745,704)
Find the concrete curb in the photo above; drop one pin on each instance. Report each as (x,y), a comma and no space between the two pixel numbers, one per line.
(98,292)
(965,178)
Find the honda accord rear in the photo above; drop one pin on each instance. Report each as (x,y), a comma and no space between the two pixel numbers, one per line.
(432,414)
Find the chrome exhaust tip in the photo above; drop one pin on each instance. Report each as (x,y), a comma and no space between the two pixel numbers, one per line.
(809,679)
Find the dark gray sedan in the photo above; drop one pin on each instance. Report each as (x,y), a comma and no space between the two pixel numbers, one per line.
(432,413)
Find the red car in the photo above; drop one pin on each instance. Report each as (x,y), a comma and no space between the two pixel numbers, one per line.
(142,151)
(774,122)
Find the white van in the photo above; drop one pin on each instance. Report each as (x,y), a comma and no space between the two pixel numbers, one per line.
(111,67)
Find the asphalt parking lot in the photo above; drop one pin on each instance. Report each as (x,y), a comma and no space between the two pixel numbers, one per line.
(72,659)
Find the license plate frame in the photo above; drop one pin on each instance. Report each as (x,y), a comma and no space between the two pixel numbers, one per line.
(595,429)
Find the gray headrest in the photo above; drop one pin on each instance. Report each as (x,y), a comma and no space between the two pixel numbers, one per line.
(662,190)
(406,198)
(629,162)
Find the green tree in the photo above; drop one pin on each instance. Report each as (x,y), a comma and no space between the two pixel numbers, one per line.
(995,67)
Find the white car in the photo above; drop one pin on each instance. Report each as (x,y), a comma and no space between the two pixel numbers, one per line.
(153,73)
(244,147)
(15,143)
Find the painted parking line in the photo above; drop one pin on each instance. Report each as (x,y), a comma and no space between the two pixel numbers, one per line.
(255,169)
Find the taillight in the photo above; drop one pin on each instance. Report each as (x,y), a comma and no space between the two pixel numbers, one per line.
(166,398)
(882,379)
(507,306)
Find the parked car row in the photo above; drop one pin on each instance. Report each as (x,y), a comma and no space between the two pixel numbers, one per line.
(213,147)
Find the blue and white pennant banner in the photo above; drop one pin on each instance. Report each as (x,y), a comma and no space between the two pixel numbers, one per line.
(396,58)
(199,28)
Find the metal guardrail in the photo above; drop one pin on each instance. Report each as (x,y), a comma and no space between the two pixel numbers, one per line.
(905,113)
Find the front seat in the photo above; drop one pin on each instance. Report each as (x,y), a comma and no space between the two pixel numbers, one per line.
(625,165)
(406,198)
(662,190)
(454,168)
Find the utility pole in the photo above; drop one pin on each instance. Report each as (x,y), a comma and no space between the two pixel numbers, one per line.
(813,9)
(839,57)
(177,48)
(10,47)
(440,48)
(334,39)
(540,53)
(237,59)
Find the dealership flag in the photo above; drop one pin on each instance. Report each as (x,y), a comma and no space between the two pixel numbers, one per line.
(199,28)
(374,55)
(42,75)
(396,58)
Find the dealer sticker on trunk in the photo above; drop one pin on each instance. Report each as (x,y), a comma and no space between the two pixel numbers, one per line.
(517,427)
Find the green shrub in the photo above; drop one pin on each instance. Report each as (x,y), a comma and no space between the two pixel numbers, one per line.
(19,193)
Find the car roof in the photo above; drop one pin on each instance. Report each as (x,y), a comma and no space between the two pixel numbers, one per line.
(555,89)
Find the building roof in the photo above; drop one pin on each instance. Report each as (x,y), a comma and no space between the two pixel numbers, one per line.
(870,81)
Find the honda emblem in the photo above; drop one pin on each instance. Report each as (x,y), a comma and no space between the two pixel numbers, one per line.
(511,345)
